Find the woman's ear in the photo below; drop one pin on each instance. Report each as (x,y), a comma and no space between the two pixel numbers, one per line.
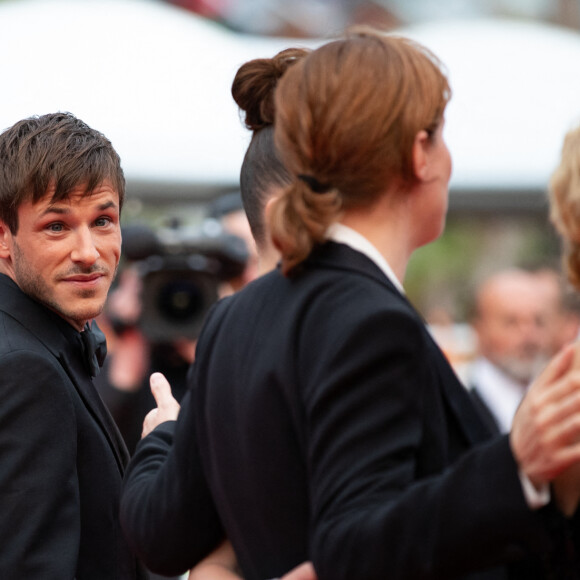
(421,155)
(269,204)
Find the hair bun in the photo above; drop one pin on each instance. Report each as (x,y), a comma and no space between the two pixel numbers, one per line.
(254,85)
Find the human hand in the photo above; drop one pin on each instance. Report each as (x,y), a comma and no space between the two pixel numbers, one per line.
(303,572)
(566,485)
(545,435)
(566,489)
(167,407)
(221,564)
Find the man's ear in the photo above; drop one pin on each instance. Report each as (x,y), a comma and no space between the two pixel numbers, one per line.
(5,239)
(421,155)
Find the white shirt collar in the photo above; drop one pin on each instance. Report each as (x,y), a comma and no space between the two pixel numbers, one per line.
(342,234)
(499,392)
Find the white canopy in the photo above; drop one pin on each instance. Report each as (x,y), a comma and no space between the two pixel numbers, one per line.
(156,80)
(516,92)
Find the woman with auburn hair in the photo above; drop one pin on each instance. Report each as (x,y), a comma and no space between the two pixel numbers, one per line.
(328,424)
(348,134)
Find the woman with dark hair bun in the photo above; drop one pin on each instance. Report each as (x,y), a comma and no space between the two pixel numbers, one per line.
(328,424)
(262,177)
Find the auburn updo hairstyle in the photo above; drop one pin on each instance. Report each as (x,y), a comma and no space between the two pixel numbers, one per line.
(346,117)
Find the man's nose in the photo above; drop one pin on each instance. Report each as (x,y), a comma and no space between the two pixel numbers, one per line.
(85,249)
(533,336)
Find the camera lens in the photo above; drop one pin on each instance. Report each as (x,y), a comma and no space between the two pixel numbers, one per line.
(180,301)
(175,302)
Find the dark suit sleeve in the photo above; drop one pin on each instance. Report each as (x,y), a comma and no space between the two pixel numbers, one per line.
(367,404)
(167,511)
(39,497)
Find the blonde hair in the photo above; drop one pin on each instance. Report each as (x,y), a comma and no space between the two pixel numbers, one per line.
(347,115)
(564,190)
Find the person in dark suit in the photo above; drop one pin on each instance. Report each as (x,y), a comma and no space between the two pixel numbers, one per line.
(323,422)
(62,458)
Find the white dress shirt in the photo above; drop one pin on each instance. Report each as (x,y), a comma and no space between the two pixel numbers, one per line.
(500,393)
(338,232)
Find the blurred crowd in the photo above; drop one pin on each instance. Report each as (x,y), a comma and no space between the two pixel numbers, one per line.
(311,18)
(520,319)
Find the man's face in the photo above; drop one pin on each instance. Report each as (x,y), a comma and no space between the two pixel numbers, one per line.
(512,326)
(65,255)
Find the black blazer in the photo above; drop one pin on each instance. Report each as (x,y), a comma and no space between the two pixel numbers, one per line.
(331,427)
(61,457)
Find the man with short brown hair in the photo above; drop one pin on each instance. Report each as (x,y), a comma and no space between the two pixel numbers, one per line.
(61,192)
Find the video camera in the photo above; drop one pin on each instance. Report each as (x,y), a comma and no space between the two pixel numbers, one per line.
(181,269)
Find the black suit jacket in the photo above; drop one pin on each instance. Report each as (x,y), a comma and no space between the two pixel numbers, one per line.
(330,427)
(61,457)
(484,410)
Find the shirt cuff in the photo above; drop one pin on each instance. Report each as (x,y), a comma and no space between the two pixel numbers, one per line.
(534,498)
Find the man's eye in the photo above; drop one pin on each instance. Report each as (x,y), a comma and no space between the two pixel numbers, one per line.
(102,221)
(55,227)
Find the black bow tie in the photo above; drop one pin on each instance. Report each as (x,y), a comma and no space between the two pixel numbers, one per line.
(94,348)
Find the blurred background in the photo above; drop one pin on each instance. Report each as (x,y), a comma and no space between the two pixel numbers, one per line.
(315,18)
(155,77)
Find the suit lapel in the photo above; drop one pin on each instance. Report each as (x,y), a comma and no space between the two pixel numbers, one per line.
(460,403)
(484,411)
(76,371)
(339,256)
(64,343)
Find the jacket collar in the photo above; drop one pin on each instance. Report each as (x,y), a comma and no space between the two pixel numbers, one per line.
(341,257)
(340,233)
(52,330)
(64,342)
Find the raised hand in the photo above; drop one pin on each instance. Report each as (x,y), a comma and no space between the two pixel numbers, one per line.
(545,436)
(167,407)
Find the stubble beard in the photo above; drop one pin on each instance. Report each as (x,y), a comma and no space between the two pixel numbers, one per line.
(38,288)
(523,371)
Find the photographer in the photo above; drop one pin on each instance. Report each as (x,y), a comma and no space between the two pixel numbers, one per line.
(124,384)
(170,279)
